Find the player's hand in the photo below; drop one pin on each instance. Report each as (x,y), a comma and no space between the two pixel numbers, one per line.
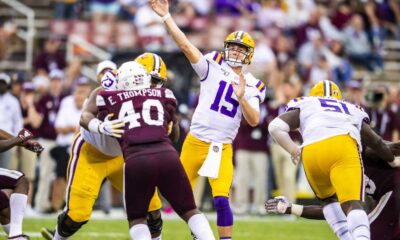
(395,148)
(113,128)
(239,88)
(278,205)
(170,124)
(296,155)
(25,135)
(33,146)
(161,7)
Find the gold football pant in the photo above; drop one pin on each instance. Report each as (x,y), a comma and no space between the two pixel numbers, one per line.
(87,169)
(194,153)
(334,166)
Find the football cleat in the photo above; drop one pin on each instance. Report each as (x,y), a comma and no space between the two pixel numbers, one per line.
(243,39)
(326,88)
(47,233)
(19,237)
(155,66)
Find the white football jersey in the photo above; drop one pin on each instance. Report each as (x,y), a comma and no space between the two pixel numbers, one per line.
(107,145)
(322,118)
(218,114)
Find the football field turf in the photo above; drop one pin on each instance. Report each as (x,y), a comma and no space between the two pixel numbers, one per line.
(268,228)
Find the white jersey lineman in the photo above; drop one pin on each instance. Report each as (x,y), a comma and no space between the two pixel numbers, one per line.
(322,118)
(218,115)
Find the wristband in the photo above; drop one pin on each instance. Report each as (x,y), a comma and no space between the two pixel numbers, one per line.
(93,125)
(166,16)
(297,209)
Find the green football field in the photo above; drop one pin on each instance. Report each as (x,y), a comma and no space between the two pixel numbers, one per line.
(269,228)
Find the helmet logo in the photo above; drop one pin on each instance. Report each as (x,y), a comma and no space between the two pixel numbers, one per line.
(335,92)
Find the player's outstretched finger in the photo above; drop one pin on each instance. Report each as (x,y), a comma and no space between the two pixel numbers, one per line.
(118,125)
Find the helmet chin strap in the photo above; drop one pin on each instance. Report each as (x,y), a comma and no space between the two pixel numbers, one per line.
(234,64)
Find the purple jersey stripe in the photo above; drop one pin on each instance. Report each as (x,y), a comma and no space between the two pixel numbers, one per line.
(258,84)
(262,89)
(73,164)
(72,152)
(215,56)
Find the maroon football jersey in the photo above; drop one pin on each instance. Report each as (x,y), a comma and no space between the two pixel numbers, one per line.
(382,185)
(146,113)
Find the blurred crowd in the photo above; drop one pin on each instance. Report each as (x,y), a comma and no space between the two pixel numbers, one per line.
(298,42)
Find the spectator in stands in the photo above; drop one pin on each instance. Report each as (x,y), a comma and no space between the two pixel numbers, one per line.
(201,8)
(41,84)
(10,118)
(104,10)
(283,50)
(251,166)
(47,109)
(312,52)
(8,32)
(129,8)
(388,12)
(66,125)
(22,159)
(271,14)
(235,7)
(373,26)
(50,57)
(319,70)
(284,169)
(354,92)
(298,12)
(263,64)
(358,47)
(150,29)
(341,69)
(17,80)
(302,33)
(342,15)
(66,9)
(384,120)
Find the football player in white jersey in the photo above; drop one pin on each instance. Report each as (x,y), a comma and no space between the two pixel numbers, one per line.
(332,131)
(226,93)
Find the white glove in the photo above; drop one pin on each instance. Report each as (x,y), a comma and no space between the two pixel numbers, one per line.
(277,205)
(395,163)
(113,128)
(296,155)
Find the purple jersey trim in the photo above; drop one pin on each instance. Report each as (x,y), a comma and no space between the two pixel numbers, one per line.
(75,160)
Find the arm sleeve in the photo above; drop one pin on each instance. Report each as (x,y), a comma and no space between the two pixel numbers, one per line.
(201,68)
(18,121)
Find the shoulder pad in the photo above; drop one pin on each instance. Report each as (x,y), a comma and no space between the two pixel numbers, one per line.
(169,94)
(100,100)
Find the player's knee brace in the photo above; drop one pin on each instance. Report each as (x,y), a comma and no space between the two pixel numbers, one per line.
(154,222)
(224,212)
(66,227)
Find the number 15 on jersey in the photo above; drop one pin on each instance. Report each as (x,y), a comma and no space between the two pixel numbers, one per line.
(230,108)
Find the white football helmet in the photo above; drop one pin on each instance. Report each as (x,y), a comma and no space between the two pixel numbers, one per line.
(132,76)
